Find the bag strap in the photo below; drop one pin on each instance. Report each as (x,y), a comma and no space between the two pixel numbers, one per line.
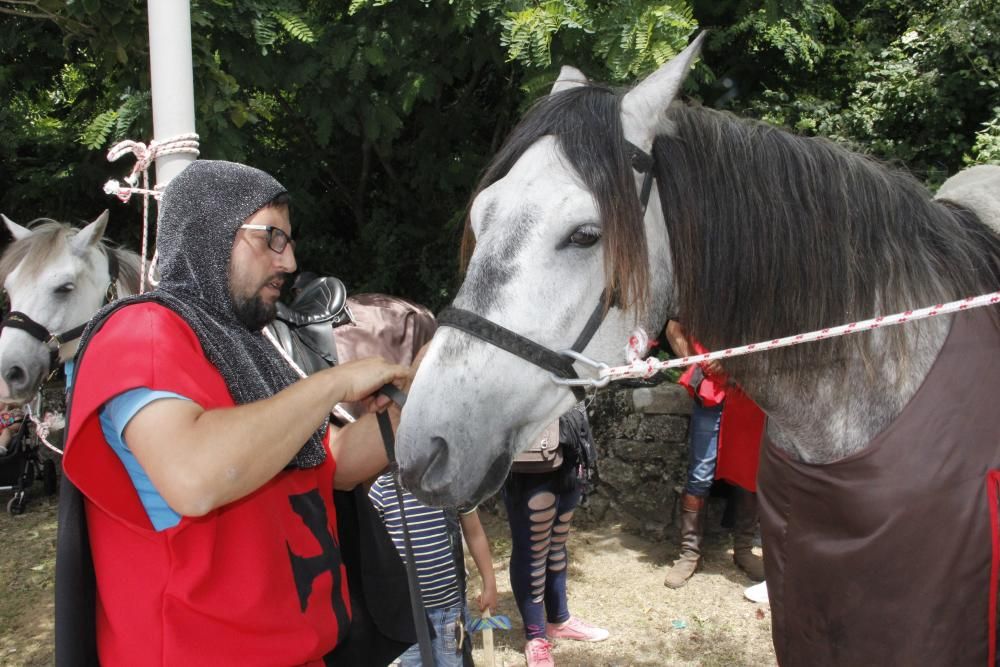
(416,601)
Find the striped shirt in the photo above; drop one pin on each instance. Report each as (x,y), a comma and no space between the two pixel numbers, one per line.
(433,546)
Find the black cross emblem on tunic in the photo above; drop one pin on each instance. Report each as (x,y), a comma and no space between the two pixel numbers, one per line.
(309,506)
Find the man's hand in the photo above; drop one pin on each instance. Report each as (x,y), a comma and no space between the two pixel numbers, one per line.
(361,378)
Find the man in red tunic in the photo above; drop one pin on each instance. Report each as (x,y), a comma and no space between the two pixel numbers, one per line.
(207,466)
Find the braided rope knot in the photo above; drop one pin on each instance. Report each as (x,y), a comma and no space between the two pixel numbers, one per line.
(144,157)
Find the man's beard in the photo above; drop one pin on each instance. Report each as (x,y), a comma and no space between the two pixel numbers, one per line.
(253,312)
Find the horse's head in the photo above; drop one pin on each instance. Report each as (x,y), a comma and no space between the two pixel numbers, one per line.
(56,277)
(556,223)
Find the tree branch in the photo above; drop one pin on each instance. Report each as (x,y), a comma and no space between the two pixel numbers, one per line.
(64,22)
(22,13)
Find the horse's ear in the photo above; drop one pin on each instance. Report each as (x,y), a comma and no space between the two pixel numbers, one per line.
(16,230)
(89,236)
(569,77)
(643,107)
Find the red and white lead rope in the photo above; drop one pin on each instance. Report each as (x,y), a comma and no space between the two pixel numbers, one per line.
(144,157)
(50,422)
(648,367)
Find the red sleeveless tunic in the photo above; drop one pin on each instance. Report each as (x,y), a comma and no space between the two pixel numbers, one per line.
(891,556)
(257,582)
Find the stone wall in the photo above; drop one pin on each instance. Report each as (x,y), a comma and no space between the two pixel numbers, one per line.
(641,437)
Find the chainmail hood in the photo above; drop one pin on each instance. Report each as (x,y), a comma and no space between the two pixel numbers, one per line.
(201,211)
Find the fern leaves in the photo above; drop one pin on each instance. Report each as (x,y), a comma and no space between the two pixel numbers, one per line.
(271,26)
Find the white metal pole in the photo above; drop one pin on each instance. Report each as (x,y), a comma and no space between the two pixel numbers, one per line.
(172,80)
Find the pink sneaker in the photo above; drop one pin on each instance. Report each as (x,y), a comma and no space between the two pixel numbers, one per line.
(576,629)
(538,653)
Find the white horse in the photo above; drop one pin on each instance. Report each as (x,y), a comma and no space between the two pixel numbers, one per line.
(55,277)
(750,234)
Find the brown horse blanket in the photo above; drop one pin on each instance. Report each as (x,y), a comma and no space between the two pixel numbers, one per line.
(890,556)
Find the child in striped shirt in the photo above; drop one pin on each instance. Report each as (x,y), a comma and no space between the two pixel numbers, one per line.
(436,536)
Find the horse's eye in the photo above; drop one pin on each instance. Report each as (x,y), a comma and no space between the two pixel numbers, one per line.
(585,236)
(65,288)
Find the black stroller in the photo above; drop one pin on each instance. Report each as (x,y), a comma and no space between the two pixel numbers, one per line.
(22,466)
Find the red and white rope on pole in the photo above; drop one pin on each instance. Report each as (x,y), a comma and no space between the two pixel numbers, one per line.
(648,367)
(144,157)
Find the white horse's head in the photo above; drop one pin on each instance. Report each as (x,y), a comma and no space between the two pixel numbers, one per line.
(556,223)
(57,277)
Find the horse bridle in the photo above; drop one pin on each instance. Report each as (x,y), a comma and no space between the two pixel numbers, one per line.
(559,364)
(53,341)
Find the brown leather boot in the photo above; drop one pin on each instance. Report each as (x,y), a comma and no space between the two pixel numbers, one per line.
(743,532)
(692,530)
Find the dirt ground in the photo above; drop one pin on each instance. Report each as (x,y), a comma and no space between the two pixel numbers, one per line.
(616,581)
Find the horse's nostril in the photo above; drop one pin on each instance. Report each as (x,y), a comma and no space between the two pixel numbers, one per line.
(427,474)
(15,375)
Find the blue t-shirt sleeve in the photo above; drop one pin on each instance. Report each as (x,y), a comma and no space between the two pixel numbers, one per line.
(115,416)
(125,405)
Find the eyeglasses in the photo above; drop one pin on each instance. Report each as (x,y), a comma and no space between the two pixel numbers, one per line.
(277,239)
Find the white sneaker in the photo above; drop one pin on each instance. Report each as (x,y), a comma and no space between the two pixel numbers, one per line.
(757,593)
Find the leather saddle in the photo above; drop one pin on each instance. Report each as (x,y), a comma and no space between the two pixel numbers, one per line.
(305,327)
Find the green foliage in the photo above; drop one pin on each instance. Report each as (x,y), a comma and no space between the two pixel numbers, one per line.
(640,36)
(528,32)
(986,149)
(96,134)
(295,26)
(379,115)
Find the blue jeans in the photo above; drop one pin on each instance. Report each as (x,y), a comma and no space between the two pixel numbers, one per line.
(539,515)
(703,448)
(446,650)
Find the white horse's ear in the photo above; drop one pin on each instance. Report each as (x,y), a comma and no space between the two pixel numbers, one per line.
(643,107)
(569,77)
(16,230)
(89,236)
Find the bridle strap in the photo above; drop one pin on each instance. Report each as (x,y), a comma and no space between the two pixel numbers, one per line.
(412,580)
(643,163)
(594,323)
(515,343)
(114,271)
(18,320)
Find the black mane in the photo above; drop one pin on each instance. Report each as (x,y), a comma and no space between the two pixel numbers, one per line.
(820,235)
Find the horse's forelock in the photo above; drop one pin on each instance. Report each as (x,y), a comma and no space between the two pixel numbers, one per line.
(587,123)
(48,237)
(37,250)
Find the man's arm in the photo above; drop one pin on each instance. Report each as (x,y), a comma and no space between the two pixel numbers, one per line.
(359,451)
(479,547)
(203,459)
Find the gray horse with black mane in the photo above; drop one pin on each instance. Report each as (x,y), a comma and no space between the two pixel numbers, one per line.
(880,474)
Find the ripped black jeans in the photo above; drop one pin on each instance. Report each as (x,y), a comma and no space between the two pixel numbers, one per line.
(539,511)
